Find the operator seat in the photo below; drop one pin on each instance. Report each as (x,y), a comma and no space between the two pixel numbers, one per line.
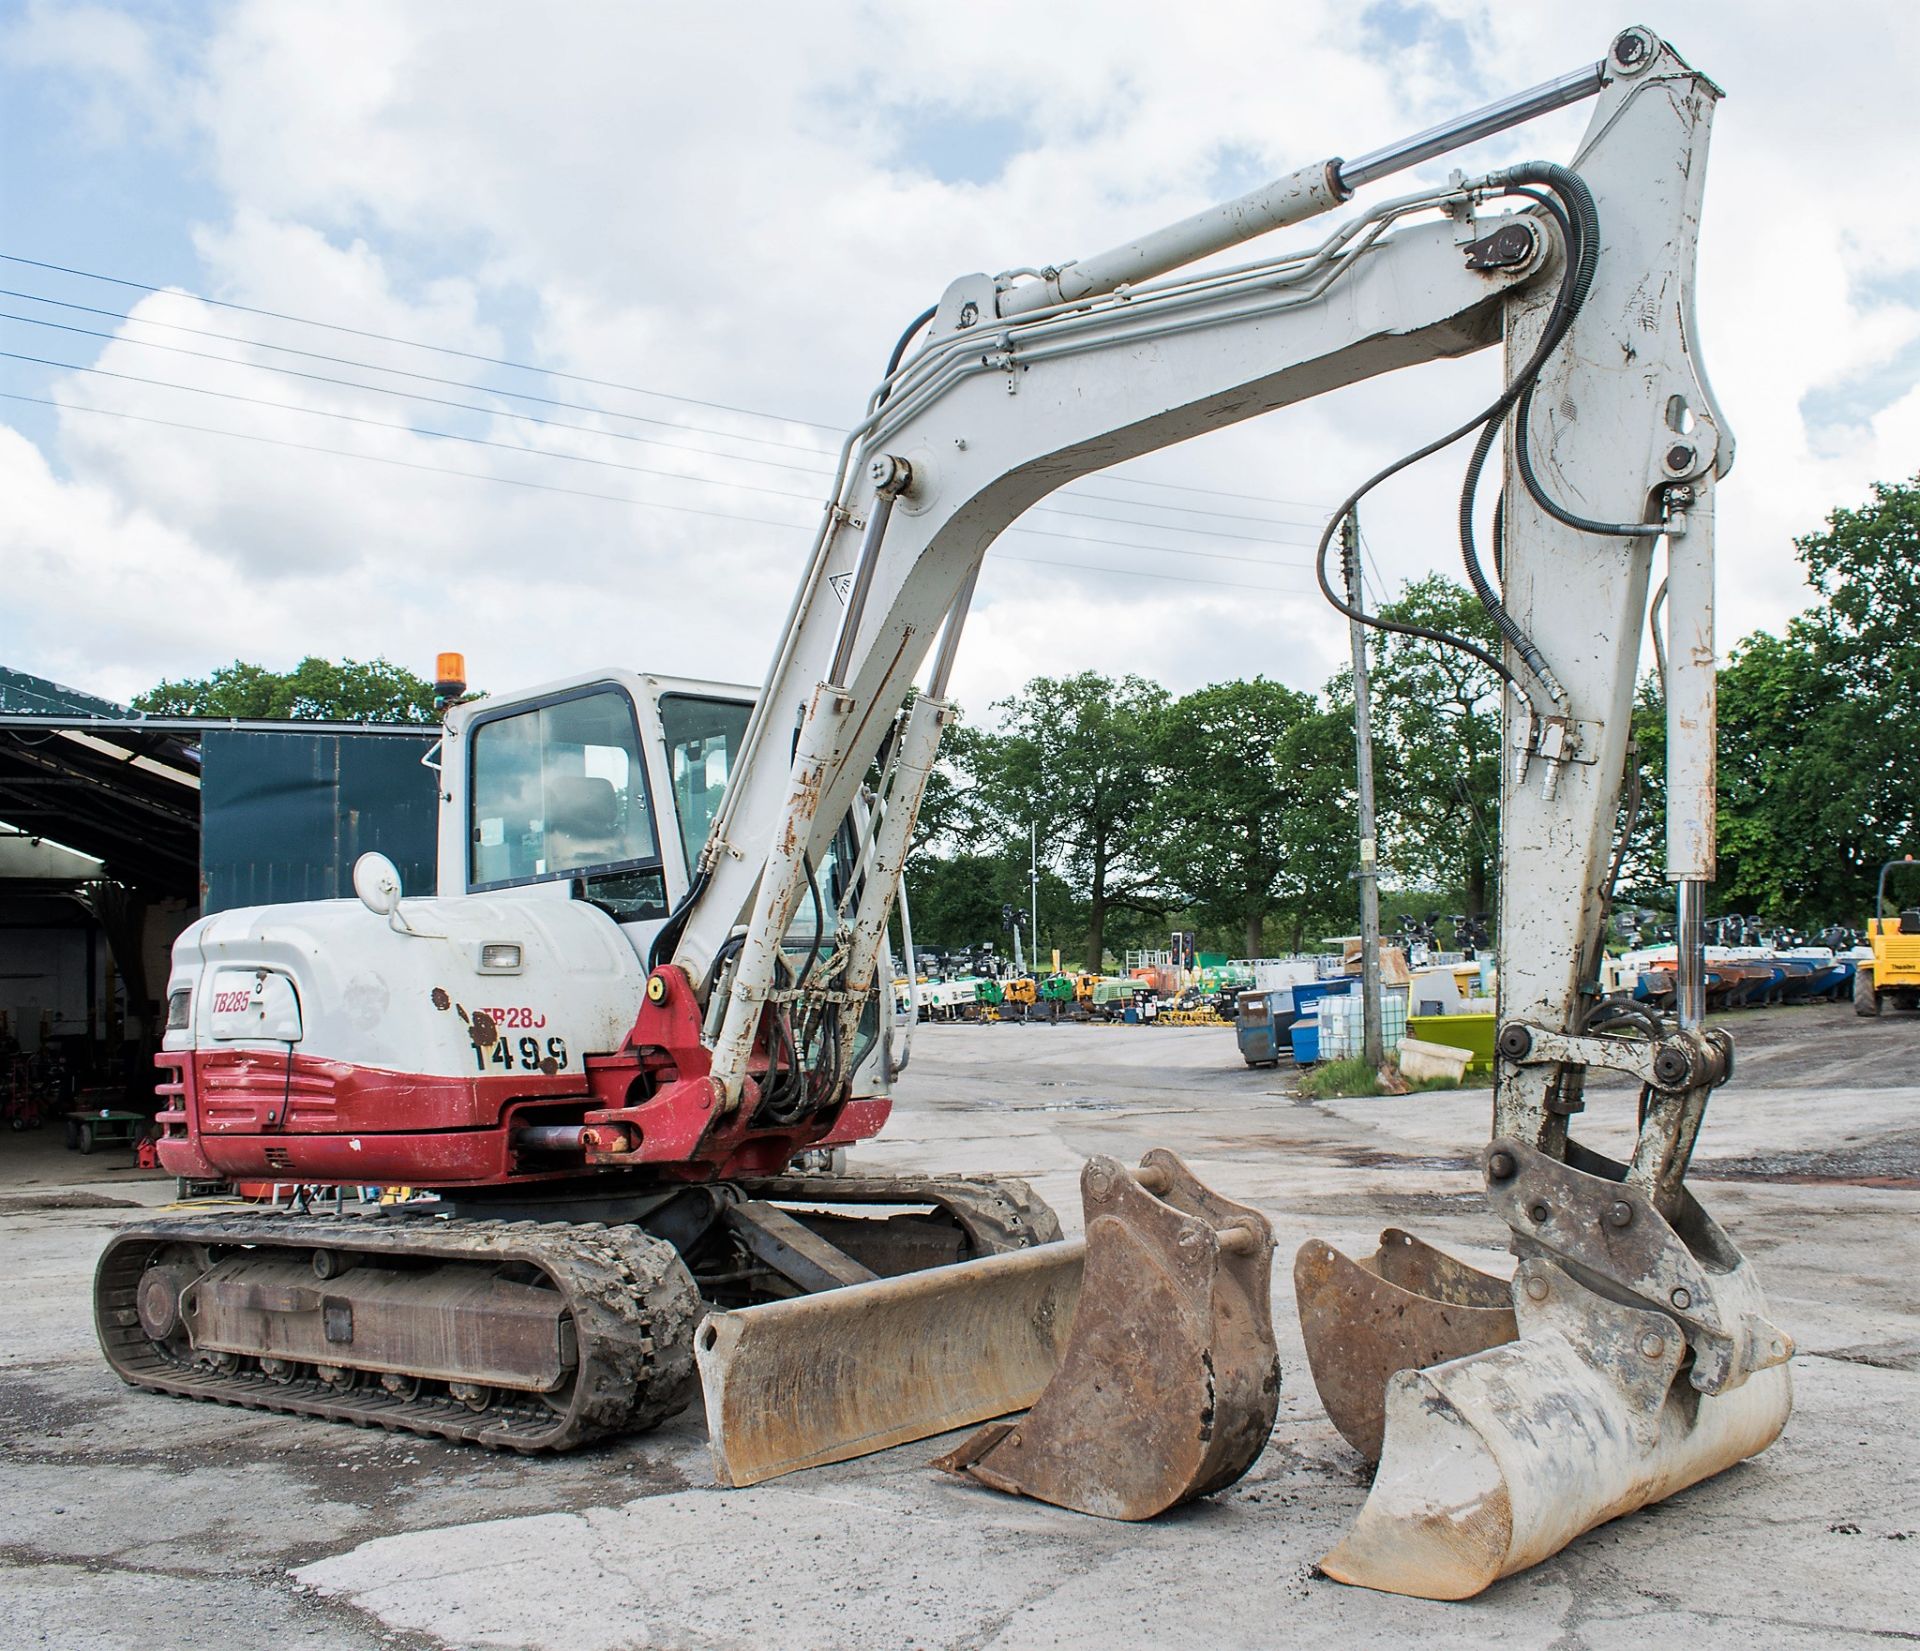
(583,822)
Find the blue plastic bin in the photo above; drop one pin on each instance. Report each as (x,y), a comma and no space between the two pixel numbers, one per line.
(1306,1040)
(1309,992)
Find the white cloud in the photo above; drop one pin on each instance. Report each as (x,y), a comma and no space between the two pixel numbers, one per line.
(731,204)
(108,55)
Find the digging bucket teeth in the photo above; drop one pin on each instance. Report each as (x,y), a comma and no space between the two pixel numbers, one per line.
(822,1378)
(1169,1386)
(1405,1307)
(1494,1461)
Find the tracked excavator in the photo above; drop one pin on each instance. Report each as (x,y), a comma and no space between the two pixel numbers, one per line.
(645,990)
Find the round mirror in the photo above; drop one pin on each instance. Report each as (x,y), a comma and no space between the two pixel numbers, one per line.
(376,879)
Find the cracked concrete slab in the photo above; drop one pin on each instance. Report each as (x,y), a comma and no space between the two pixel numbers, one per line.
(183,1523)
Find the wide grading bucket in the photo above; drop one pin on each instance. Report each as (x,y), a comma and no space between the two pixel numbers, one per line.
(1494,1461)
(822,1378)
(1145,1352)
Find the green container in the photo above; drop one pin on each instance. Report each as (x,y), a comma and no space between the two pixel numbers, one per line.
(1473,1032)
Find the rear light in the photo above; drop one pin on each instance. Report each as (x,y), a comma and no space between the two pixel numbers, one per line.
(180,1011)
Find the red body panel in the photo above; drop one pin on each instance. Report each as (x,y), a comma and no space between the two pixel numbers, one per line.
(263,1114)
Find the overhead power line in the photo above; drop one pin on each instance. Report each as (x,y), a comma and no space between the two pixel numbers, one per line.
(405,343)
(550,453)
(581,458)
(1379,580)
(529,418)
(661,504)
(401,372)
(395,424)
(532,367)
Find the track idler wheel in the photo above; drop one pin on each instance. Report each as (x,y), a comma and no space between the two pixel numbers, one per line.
(1405,1307)
(1169,1384)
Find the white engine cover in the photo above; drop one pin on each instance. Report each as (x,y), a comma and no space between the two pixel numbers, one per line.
(415,999)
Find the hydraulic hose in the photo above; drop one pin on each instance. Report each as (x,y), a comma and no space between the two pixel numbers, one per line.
(668,937)
(1567,200)
(900,349)
(1584,256)
(1491,415)
(1521,643)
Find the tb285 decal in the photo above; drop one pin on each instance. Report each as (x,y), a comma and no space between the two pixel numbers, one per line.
(517,1017)
(493,1048)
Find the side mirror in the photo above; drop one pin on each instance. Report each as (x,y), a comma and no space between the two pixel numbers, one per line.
(376,880)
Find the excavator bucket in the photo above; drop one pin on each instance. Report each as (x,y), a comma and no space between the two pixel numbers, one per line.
(1406,1306)
(821,1378)
(1170,1383)
(1145,1351)
(1494,1461)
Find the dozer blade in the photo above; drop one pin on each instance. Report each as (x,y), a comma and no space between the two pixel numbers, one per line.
(1169,1386)
(821,1378)
(1495,1461)
(1405,1307)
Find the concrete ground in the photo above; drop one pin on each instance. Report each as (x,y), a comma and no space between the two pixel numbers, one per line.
(138,1521)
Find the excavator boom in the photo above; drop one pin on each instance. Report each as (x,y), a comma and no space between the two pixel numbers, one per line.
(1633,1354)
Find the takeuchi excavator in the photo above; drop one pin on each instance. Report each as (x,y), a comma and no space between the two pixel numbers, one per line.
(641,1011)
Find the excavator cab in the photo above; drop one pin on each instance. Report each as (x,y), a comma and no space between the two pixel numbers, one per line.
(599,788)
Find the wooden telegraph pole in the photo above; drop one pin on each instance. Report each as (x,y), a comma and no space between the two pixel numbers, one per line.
(1369,855)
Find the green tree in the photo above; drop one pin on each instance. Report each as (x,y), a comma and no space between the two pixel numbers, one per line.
(1643,868)
(958,900)
(1256,809)
(1076,756)
(950,821)
(1816,752)
(1795,826)
(318,689)
(1436,743)
(1816,783)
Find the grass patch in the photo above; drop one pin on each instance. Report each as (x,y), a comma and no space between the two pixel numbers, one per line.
(1348,1077)
(1356,1077)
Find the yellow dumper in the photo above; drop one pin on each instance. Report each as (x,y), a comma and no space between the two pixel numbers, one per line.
(1894,970)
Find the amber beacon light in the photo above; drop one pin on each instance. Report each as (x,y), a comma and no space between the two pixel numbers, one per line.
(449,677)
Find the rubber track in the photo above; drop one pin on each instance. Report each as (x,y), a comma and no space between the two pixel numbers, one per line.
(634,1307)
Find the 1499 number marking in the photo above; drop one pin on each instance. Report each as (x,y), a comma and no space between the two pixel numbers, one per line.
(521,1054)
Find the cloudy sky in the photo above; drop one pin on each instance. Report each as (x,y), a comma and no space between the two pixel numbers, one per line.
(706,225)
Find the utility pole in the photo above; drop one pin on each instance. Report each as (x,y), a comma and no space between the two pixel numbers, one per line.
(1369,853)
(1033,885)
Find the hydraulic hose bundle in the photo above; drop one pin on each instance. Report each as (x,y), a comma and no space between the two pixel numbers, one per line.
(1566,199)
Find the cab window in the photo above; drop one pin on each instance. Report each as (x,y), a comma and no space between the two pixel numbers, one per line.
(558,791)
(703,738)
